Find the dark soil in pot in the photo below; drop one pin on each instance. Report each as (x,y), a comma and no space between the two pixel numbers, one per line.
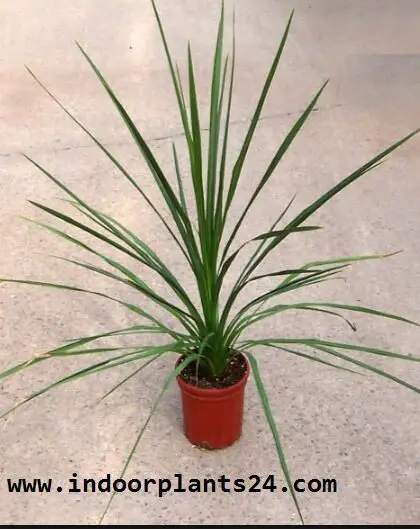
(234,372)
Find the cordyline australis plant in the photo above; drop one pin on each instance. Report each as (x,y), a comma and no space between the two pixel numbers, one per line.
(208,333)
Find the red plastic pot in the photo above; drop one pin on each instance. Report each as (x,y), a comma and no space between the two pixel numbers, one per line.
(213,417)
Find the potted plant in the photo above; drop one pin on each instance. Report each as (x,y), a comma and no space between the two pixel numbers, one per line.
(213,360)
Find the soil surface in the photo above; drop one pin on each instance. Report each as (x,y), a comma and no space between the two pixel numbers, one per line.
(233,373)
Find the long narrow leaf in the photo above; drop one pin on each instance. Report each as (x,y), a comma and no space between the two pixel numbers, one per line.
(179,180)
(246,321)
(263,242)
(292,272)
(262,237)
(274,163)
(139,285)
(341,260)
(129,377)
(166,384)
(314,342)
(270,419)
(326,197)
(178,214)
(95,368)
(281,289)
(161,269)
(163,272)
(69,347)
(113,160)
(277,233)
(236,173)
(155,263)
(218,226)
(214,126)
(368,367)
(129,306)
(176,83)
(314,359)
(163,184)
(355,308)
(104,221)
(197,173)
(135,329)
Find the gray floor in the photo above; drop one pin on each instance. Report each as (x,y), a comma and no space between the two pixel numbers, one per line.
(362,431)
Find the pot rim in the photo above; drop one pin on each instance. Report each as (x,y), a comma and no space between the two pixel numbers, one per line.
(215,392)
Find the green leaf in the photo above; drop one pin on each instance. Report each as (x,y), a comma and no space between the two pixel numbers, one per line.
(298,283)
(178,214)
(95,368)
(145,254)
(260,246)
(139,285)
(129,377)
(292,272)
(274,163)
(136,329)
(163,184)
(177,371)
(246,321)
(113,160)
(129,306)
(368,367)
(326,197)
(218,227)
(341,260)
(270,419)
(356,308)
(214,127)
(183,105)
(150,259)
(153,261)
(277,233)
(197,172)
(236,173)
(262,237)
(314,359)
(177,84)
(84,228)
(314,342)
(179,179)
(312,278)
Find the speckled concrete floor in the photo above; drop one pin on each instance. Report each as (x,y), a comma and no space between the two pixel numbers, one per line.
(362,431)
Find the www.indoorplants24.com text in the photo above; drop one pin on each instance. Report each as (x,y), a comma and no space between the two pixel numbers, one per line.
(177,482)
